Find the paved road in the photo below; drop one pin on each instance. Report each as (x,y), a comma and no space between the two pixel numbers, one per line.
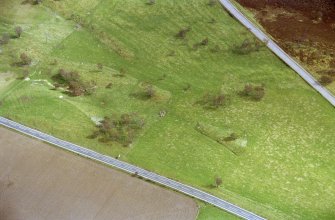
(188,190)
(278,51)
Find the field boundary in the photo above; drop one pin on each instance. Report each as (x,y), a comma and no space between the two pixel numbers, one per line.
(228,5)
(137,171)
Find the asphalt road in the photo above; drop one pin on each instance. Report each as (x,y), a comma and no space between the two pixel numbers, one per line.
(188,190)
(279,52)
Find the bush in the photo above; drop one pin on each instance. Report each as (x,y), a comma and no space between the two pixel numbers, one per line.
(151,2)
(18,31)
(121,129)
(213,101)
(212,2)
(25,59)
(255,93)
(204,42)
(182,33)
(145,92)
(71,80)
(4,39)
(325,80)
(247,47)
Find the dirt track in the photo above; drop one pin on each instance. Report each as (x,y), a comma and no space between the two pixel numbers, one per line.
(38,181)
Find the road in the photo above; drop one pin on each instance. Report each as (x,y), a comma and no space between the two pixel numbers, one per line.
(180,187)
(278,51)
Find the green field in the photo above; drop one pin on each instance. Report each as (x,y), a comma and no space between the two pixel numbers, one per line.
(286,168)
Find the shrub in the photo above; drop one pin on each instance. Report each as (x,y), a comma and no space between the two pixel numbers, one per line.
(151,2)
(213,101)
(212,2)
(182,33)
(18,31)
(218,181)
(325,80)
(255,93)
(4,39)
(100,66)
(25,59)
(71,80)
(204,42)
(231,137)
(109,85)
(247,47)
(121,129)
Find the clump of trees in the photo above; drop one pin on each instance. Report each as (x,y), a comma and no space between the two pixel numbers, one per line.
(248,46)
(252,92)
(213,100)
(121,129)
(71,80)
(182,33)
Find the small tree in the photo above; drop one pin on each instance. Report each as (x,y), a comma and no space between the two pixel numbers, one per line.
(18,31)
(218,181)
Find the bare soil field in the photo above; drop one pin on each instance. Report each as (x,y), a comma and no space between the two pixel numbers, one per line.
(38,181)
(305,29)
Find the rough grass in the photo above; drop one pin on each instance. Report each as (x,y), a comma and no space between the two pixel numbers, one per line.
(286,171)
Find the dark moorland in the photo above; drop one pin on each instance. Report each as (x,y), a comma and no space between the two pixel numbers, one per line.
(305,29)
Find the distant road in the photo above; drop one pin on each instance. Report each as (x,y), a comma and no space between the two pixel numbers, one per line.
(188,190)
(278,51)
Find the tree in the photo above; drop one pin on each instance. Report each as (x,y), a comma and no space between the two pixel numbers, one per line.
(18,31)
(218,181)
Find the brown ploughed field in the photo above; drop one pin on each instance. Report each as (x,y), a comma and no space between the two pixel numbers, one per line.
(38,181)
(305,29)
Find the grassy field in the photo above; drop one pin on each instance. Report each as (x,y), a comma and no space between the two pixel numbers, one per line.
(286,169)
